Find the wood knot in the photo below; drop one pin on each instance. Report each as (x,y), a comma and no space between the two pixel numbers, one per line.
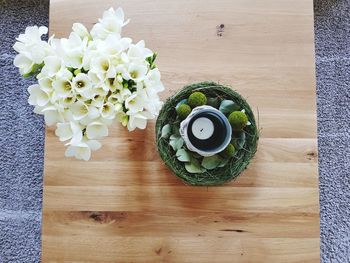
(220,30)
(311,155)
(98,216)
(158,251)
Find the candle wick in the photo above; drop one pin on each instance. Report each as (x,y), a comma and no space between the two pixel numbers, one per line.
(201,129)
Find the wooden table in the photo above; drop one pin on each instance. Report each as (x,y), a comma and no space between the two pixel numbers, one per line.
(126,206)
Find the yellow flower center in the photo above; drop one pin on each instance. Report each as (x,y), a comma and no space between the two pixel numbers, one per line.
(80,84)
(134,74)
(67,86)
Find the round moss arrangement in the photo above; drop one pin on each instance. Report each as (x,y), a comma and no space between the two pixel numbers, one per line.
(196,99)
(238,120)
(238,154)
(229,151)
(183,111)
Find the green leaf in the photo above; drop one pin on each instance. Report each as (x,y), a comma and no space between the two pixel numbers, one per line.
(223,162)
(214,102)
(196,155)
(194,167)
(35,70)
(211,162)
(176,142)
(175,130)
(151,60)
(228,106)
(239,141)
(166,130)
(183,156)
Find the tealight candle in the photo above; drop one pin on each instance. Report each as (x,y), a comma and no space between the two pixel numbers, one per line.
(202,128)
(206,131)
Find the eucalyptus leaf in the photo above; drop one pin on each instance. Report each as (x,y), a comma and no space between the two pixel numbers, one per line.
(239,141)
(194,167)
(228,106)
(214,102)
(223,162)
(211,162)
(166,131)
(176,142)
(183,156)
(175,130)
(196,155)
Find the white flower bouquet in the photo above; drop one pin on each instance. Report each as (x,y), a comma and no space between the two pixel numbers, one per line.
(90,79)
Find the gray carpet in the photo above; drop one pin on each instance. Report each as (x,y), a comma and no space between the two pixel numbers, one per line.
(22,134)
(332,37)
(21,142)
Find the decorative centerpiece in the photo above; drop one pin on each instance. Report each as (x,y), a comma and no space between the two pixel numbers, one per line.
(90,79)
(206,134)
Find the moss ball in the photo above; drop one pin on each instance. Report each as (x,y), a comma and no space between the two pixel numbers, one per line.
(197,99)
(183,111)
(229,151)
(238,120)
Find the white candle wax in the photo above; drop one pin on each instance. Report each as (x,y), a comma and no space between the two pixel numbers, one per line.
(202,128)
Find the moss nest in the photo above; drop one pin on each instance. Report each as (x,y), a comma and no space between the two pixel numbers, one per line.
(239,158)
(238,120)
(183,111)
(196,99)
(229,151)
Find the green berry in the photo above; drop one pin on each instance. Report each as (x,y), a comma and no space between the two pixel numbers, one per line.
(228,152)
(238,120)
(183,111)
(197,99)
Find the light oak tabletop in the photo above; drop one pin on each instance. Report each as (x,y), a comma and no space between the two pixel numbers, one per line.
(124,205)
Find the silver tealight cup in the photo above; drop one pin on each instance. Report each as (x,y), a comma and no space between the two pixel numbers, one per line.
(206,131)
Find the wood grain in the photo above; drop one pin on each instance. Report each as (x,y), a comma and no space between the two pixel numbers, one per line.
(124,205)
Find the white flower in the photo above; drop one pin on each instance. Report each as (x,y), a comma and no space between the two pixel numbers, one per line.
(138,120)
(69,130)
(51,115)
(136,72)
(96,130)
(96,79)
(103,67)
(37,96)
(152,81)
(88,80)
(81,30)
(93,112)
(97,100)
(122,95)
(82,84)
(53,65)
(114,45)
(30,46)
(113,84)
(110,24)
(153,104)
(107,111)
(136,101)
(79,110)
(63,87)
(73,50)
(24,64)
(139,52)
(45,84)
(82,150)
(67,101)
